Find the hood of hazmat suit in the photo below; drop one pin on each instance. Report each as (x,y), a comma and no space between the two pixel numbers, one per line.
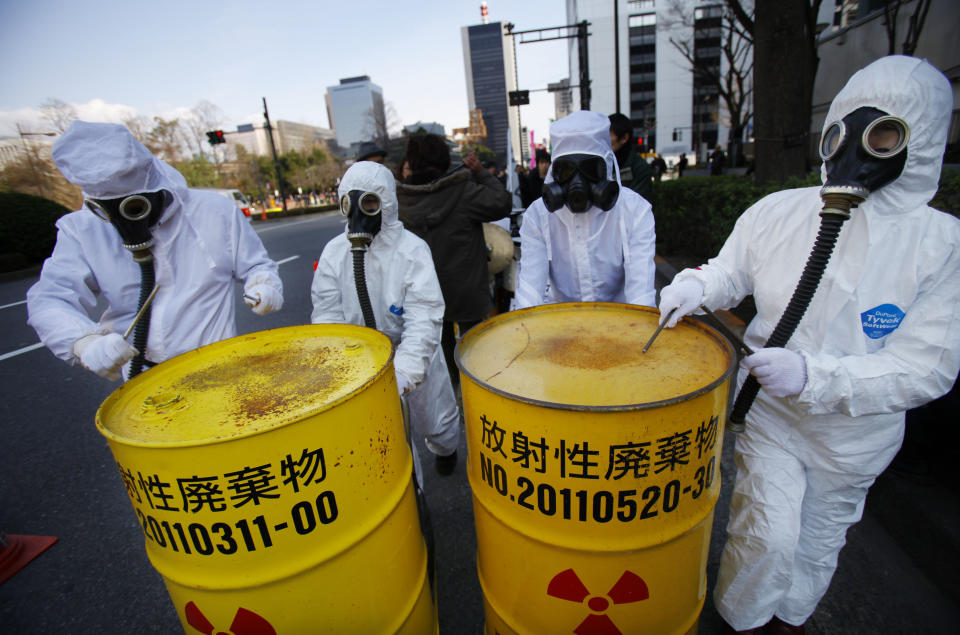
(202,244)
(107,161)
(369,176)
(881,335)
(405,297)
(592,256)
(917,97)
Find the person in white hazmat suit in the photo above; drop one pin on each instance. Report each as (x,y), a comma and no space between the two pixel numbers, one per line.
(398,294)
(880,336)
(189,246)
(587,239)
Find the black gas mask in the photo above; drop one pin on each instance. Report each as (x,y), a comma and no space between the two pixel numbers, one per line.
(579,182)
(364,216)
(863,152)
(133,216)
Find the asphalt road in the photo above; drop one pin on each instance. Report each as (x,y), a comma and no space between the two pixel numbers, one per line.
(58,479)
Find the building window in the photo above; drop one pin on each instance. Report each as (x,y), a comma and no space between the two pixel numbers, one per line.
(647,19)
(715,11)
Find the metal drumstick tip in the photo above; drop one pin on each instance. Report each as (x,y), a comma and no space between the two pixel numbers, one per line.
(255,301)
(140,313)
(659,328)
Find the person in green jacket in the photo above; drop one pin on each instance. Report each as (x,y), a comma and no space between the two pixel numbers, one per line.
(635,172)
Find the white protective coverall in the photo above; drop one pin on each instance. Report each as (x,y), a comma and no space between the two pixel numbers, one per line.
(203,244)
(407,305)
(881,336)
(593,256)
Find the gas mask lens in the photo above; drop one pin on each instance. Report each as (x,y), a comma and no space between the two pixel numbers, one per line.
(370,204)
(593,169)
(832,140)
(345,204)
(886,137)
(97,210)
(135,207)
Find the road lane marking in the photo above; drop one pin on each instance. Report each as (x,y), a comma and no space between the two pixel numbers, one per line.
(25,349)
(299,222)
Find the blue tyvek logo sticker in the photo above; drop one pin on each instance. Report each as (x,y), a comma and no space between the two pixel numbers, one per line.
(396,310)
(881,320)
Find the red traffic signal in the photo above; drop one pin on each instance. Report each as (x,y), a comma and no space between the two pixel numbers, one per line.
(215,137)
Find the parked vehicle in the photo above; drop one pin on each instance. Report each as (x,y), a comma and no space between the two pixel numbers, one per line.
(234,195)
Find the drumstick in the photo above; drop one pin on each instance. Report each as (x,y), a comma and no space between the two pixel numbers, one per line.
(140,313)
(659,328)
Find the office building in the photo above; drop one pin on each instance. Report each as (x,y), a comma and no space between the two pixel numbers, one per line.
(562,98)
(489,67)
(635,69)
(356,113)
(287,136)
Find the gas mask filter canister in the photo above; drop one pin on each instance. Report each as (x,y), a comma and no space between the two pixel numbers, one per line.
(364,217)
(579,182)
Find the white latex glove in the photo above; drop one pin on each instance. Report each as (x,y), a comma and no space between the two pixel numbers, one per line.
(265,300)
(684,296)
(780,371)
(104,354)
(404,385)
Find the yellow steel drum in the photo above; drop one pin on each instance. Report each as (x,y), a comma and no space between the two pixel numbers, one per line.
(594,467)
(271,477)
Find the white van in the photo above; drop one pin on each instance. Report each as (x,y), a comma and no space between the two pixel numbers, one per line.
(234,195)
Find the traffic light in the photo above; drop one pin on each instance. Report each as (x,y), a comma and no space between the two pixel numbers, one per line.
(215,137)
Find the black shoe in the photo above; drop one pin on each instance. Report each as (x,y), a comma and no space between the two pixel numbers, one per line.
(446,464)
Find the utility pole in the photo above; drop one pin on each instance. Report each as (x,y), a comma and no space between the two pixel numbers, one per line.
(516,81)
(616,52)
(276,161)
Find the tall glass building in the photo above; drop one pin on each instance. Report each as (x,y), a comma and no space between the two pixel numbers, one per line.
(356,113)
(489,68)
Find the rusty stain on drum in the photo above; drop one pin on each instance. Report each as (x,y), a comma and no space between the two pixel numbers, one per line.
(577,351)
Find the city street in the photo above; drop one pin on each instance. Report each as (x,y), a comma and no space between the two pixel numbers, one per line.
(897,574)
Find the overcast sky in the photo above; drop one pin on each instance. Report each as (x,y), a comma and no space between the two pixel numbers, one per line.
(114,58)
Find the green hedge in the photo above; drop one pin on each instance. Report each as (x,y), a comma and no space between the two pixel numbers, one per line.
(27,231)
(694,215)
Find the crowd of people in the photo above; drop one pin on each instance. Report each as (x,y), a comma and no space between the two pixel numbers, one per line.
(830,410)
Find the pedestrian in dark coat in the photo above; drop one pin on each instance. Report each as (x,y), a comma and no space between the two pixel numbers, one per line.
(447,209)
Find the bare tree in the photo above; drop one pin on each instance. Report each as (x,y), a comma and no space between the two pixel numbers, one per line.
(204,117)
(733,80)
(33,172)
(165,139)
(139,127)
(380,123)
(785,67)
(890,10)
(59,114)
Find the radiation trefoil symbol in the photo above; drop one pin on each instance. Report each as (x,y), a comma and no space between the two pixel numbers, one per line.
(629,588)
(245,622)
